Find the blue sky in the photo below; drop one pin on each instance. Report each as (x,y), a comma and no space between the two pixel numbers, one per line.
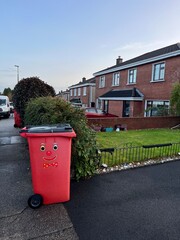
(62,41)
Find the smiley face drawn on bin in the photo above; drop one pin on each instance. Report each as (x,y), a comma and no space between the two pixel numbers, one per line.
(49,154)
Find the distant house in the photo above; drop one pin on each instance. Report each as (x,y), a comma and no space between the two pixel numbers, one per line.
(64,95)
(83,93)
(140,86)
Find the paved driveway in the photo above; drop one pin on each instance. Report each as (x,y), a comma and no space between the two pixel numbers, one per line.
(137,204)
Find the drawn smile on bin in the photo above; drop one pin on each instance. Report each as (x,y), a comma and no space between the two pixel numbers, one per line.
(50,159)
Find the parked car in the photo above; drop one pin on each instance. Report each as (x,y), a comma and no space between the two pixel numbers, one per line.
(96,113)
(4,106)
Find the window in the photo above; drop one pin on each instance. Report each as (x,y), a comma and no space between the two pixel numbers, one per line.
(2,102)
(132,76)
(102,81)
(99,103)
(84,91)
(106,106)
(157,108)
(115,81)
(79,91)
(71,92)
(74,91)
(158,72)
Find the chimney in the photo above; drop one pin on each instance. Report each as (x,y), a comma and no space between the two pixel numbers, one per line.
(119,60)
(83,79)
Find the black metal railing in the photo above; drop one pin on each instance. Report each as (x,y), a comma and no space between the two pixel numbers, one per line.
(131,154)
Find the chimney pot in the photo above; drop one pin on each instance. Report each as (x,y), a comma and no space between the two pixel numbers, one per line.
(119,60)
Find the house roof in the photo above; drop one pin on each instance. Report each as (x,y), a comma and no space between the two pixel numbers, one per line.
(159,54)
(84,82)
(123,94)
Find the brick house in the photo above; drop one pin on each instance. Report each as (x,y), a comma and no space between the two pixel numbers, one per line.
(64,95)
(83,93)
(140,86)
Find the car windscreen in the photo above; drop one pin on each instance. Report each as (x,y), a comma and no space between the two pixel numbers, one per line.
(100,111)
(2,102)
(90,110)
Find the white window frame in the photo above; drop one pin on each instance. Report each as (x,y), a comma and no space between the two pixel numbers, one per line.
(84,91)
(158,74)
(132,75)
(101,81)
(116,79)
(71,92)
(155,102)
(75,92)
(79,91)
(99,103)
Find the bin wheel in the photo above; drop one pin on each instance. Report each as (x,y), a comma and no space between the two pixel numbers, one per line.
(35,201)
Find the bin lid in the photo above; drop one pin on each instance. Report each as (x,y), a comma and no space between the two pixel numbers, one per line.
(49,128)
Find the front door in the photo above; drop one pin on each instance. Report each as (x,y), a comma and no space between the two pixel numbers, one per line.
(126,108)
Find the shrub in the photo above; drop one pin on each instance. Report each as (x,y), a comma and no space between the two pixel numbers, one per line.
(175,99)
(48,110)
(27,89)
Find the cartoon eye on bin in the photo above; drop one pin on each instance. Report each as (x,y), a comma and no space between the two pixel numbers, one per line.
(55,147)
(42,148)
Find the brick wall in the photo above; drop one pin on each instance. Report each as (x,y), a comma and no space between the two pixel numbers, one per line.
(116,107)
(137,123)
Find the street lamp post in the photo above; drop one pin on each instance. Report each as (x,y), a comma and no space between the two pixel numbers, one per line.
(17,67)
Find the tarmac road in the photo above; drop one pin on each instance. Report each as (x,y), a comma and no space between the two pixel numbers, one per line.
(17,220)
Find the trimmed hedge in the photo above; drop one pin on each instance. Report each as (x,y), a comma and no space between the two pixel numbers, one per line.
(49,110)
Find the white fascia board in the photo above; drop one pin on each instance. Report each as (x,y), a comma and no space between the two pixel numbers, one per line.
(121,98)
(135,64)
(82,85)
(142,95)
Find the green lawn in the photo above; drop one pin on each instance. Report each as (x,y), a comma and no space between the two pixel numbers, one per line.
(126,146)
(137,137)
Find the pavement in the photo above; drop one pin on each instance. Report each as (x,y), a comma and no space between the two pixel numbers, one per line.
(135,204)
(17,220)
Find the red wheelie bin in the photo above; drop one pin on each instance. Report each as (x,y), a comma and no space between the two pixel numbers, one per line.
(17,119)
(50,159)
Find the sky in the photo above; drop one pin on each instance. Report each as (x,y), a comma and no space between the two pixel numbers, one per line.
(62,41)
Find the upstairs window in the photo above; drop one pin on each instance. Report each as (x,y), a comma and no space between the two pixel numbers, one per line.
(158,72)
(84,91)
(74,91)
(132,76)
(71,92)
(102,82)
(79,91)
(115,80)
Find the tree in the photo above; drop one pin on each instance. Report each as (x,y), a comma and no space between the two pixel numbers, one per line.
(29,88)
(8,92)
(175,99)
